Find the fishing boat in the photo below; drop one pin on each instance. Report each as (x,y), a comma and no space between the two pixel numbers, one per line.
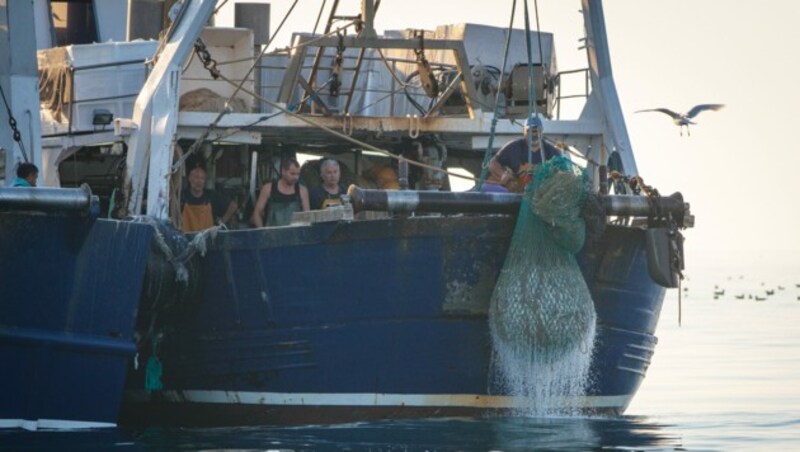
(70,280)
(387,305)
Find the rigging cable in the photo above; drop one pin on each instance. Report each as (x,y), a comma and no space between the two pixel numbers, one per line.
(488,153)
(219,7)
(202,138)
(319,16)
(532,110)
(345,137)
(539,34)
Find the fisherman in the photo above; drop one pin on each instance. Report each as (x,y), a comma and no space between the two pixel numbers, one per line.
(510,169)
(27,173)
(202,208)
(288,196)
(330,192)
(384,177)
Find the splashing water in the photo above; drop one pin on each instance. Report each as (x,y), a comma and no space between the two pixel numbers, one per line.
(541,315)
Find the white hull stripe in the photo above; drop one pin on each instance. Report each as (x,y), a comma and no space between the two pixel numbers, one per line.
(378,400)
(52,424)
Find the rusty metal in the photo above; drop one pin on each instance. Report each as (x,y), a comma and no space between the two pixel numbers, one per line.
(318,57)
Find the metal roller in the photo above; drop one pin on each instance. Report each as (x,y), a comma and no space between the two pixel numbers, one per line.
(47,199)
(506,203)
(432,201)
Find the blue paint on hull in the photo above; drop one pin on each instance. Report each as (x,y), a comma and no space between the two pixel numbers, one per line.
(70,294)
(628,304)
(384,307)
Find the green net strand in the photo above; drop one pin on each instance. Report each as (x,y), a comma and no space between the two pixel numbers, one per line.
(541,314)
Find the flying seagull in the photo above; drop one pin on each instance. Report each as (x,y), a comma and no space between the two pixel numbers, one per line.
(685,119)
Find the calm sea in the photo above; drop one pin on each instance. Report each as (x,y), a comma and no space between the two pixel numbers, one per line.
(728,378)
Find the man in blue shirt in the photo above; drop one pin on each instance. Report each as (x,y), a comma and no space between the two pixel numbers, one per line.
(509,169)
(27,173)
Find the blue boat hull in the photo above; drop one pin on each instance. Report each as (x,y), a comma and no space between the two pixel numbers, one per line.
(347,321)
(70,293)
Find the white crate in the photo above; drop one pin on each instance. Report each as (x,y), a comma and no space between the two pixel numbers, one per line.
(104,76)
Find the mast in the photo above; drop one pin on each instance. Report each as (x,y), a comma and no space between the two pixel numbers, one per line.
(604,101)
(20,82)
(155,115)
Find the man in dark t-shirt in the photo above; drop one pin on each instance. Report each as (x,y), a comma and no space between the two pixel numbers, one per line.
(510,169)
(329,193)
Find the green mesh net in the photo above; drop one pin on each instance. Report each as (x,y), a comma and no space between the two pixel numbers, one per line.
(541,315)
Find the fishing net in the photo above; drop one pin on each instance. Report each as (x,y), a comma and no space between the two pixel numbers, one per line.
(541,314)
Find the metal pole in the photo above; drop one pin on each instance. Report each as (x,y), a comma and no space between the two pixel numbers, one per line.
(45,199)
(368,18)
(507,203)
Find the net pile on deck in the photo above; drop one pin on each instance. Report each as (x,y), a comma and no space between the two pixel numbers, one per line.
(541,316)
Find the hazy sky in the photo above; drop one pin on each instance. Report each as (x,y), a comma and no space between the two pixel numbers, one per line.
(739,168)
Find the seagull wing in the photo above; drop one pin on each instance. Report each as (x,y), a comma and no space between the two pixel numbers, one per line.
(697,109)
(666,111)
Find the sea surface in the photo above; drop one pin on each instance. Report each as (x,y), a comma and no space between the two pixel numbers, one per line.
(726,378)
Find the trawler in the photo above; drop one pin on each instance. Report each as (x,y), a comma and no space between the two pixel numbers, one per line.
(380,307)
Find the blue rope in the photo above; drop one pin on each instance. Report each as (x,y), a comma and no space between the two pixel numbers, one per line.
(487,155)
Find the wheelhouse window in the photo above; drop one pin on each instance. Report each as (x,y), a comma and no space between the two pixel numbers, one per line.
(73,22)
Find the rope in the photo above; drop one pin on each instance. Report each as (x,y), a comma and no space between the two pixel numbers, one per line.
(219,7)
(175,190)
(532,110)
(538,29)
(362,144)
(388,95)
(489,146)
(390,70)
(319,16)
(202,138)
(239,87)
(198,244)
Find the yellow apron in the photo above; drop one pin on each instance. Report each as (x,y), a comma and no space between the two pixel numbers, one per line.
(330,202)
(197,217)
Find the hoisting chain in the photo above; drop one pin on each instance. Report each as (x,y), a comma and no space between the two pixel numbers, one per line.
(12,122)
(636,183)
(429,83)
(336,70)
(209,63)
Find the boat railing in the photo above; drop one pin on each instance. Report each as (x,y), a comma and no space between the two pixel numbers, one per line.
(560,86)
(331,89)
(372,84)
(270,87)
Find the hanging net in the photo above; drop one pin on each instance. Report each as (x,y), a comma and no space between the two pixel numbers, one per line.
(541,316)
